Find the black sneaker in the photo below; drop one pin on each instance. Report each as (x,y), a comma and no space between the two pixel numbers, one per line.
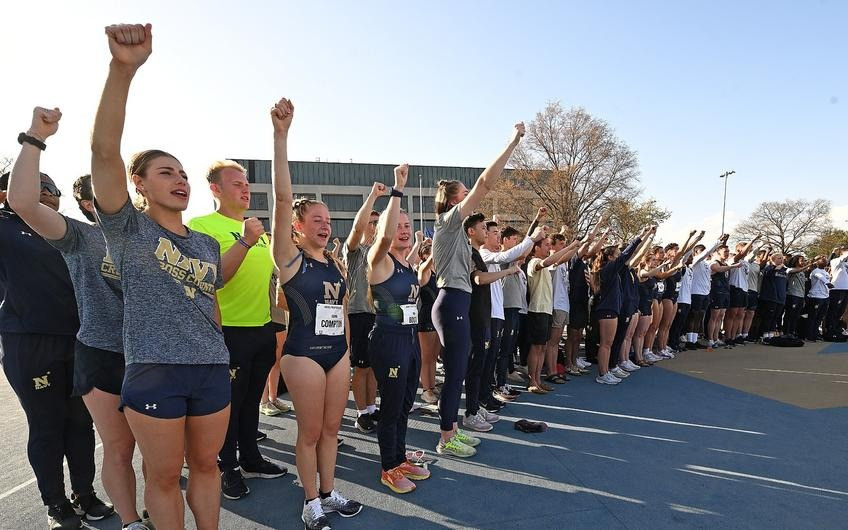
(376,415)
(232,484)
(492,405)
(336,503)
(263,469)
(512,391)
(260,436)
(365,423)
(62,516)
(90,507)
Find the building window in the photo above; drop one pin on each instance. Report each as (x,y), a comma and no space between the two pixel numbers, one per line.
(259,171)
(310,196)
(342,203)
(266,223)
(258,201)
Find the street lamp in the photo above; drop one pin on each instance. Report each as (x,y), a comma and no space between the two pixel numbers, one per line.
(725,176)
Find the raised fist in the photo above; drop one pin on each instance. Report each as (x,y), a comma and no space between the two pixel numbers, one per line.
(419,237)
(45,122)
(336,242)
(251,230)
(130,44)
(281,115)
(379,189)
(401,174)
(541,213)
(724,238)
(539,233)
(518,133)
(692,233)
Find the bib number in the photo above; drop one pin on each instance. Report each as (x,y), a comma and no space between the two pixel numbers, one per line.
(329,320)
(660,287)
(410,314)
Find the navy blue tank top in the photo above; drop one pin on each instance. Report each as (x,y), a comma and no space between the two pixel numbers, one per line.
(396,299)
(315,295)
(429,292)
(647,290)
(671,283)
(719,283)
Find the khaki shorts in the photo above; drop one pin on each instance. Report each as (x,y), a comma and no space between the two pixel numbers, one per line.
(559,319)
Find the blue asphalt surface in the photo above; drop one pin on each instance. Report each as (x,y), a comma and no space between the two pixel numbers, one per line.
(661,450)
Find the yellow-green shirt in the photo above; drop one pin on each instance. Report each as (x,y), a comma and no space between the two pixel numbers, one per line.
(244,298)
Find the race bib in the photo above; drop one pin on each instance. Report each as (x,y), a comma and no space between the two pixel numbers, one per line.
(410,314)
(660,287)
(329,319)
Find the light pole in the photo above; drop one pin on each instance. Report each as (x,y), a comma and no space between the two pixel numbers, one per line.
(725,176)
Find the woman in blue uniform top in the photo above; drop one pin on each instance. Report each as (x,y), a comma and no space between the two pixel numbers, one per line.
(393,348)
(316,365)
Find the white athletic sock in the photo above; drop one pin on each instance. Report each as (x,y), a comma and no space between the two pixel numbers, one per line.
(371,409)
(362,412)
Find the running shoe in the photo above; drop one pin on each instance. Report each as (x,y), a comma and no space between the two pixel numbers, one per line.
(607,379)
(281,405)
(260,436)
(467,439)
(492,405)
(232,484)
(269,409)
(365,423)
(489,416)
(501,395)
(666,354)
(476,423)
(90,507)
(376,415)
(313,516)
(137,525)
(651,358)
(574,371)
(396,481)
(512,392)
(430,397)
(413,472)
(336,503)
(619,373)
(62,516)
(537,390)
(629,366)
(262,469)
(454,447)
(516,378)
(583,363)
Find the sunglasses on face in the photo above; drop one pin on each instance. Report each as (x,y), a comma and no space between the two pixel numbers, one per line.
(51,189)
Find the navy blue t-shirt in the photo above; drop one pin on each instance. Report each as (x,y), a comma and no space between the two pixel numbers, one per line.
(629,292)
(39,296)
(773,288)
(609,299)
(578,287)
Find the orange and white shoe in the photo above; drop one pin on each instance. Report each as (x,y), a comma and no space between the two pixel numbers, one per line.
(396,481)
(413,472)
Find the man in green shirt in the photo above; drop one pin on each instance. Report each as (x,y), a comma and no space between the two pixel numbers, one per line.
(246,320)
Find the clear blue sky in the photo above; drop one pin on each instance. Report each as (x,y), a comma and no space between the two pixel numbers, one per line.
(696,88)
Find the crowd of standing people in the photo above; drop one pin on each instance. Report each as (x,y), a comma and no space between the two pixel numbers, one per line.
(170,335)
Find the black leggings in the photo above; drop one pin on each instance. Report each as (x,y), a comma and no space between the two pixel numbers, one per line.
(40,369)
(836,307)
(252,354)
(480,339)
(450,317)
(678,324)
(508,343)
(765,319)
(395,357)
(816,309)
(488,382)
(792,312)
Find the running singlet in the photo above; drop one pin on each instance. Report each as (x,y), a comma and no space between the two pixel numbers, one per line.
(719,283)
(672,284)
(396,299)
(239,299)
(647,291)
(428,295)
(315,295)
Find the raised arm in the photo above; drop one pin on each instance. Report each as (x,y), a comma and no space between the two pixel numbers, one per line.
(412,256)
(511,255)
(536,220)
(360,222)
(563,255)
(641,251)
(379,267)
(487,180)
(741,255)
(485,278)
(707,251)
(599,243)
(282,247)
(24,193)
(130,45)
(425,270)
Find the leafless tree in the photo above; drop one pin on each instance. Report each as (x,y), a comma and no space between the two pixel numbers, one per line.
(627,218)
(790,226)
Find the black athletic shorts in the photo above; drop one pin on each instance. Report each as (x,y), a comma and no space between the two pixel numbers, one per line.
(425,319)
(360,326)
(646,306)
(738,297)
(719,300)
(578,317)
(169,391)
(605,314)
(96,368)
(538,327)
(753,299)
(700,302)
(278,327)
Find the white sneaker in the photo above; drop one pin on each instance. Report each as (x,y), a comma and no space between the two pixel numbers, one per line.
(581,362)
(607,379)
(651,358)
(666,354)
(619,373)
(629,366)
(476,423)
(720,343)
(487,416)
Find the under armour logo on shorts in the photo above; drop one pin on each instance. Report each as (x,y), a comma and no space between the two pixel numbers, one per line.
(148,406)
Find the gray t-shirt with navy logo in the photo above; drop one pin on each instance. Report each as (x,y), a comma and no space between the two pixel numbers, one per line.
(452,252)
(97,285)
(169,284)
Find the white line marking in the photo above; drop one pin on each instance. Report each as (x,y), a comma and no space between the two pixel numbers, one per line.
(792,372)
(740,453)
(642,418)
(765,479)
(21,486)
(691,509)
(608,457)
(846,382)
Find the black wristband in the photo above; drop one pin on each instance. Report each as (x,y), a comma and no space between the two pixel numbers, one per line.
(396,193)
(25,138)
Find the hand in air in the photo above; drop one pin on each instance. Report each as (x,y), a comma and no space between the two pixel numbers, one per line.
(45,122)
(251,230)
(130,44)
(518,133)
(401,175)
(281,115)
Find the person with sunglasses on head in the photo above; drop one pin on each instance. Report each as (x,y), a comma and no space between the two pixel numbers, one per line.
(315,364)
(176,391)
(393,342)
(247,268)
(453,263)
(47,368)
(360,310)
